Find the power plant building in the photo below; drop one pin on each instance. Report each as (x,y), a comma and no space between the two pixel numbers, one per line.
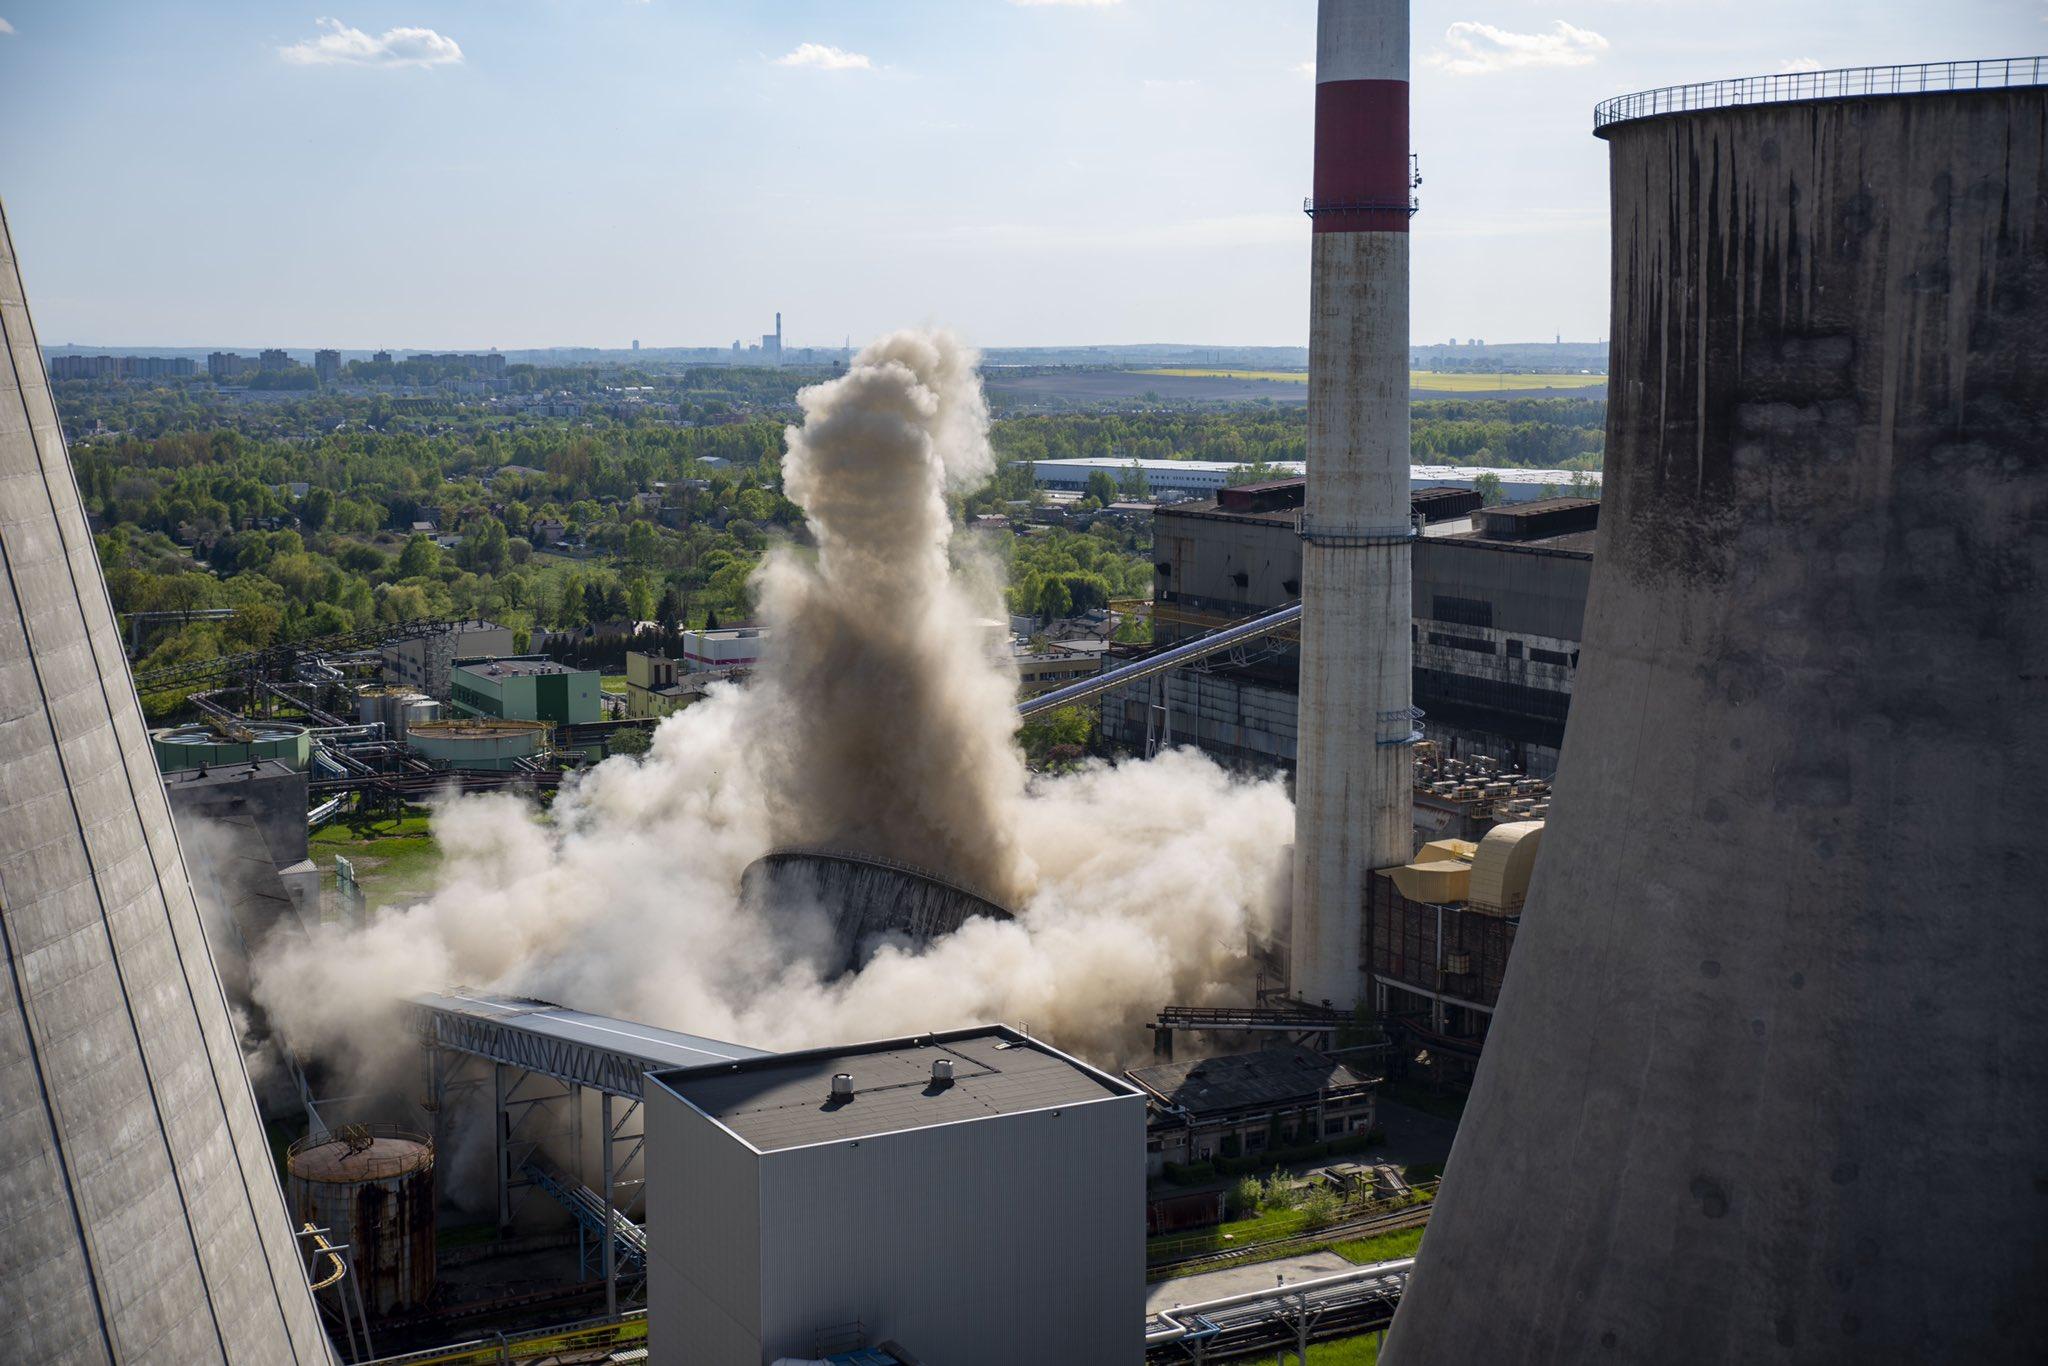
(142,1216)
(971,1196)
(1498,596)
(1779,975)
(526,689)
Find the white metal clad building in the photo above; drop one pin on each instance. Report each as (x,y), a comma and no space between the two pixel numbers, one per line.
(996,1217)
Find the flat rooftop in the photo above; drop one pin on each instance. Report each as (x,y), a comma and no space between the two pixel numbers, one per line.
(514,668)
(782,1102)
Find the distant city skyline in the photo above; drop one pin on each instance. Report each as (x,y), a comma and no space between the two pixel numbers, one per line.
(565,173)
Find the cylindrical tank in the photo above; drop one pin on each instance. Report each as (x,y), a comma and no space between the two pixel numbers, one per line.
(372,1187)
(398,709)
(1768,1081)
(201,746)
(478,744)
(836,907)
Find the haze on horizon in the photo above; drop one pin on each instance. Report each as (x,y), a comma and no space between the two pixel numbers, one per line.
(530,173)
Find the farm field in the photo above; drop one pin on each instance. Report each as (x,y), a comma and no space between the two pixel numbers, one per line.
(1426,381)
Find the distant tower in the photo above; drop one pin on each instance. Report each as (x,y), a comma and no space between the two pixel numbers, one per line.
(1353,778)
(142,1218)
(1768,1082)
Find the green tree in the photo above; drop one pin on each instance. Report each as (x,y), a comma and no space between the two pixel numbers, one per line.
(1488,487)
(1133,483)
(420,558)
(1054,600)
(1101,487)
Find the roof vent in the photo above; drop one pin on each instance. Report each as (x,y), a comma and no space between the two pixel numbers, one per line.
(842,1087)
(942,1071)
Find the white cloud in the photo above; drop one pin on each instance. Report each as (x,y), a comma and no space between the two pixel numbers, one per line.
(1793,64)
(5,27)
(341,45)
(1474,49)
(825,58)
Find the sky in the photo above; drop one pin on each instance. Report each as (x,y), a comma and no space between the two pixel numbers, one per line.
(519,173)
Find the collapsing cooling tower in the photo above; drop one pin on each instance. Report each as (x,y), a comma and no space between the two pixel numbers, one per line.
(1769,1078)
(140,1214)
(835,908)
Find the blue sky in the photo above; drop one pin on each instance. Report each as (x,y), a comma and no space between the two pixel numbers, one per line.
(583,172)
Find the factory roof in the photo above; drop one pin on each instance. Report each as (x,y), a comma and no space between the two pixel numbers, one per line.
(786,1101)
(1238,1081)
(521,667)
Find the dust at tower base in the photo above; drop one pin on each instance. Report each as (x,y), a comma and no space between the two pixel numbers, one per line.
(143,1221)
(1352,773)
(1782,959)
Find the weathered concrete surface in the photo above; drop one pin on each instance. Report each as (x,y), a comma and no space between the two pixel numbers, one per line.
(1769,1080)
(1351,811)
(140,1214)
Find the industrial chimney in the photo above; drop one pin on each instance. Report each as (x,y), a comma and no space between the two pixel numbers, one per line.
(1769,1078)
(142,1216)
(1352,781)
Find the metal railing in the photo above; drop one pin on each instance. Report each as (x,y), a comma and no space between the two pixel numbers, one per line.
(1844,83)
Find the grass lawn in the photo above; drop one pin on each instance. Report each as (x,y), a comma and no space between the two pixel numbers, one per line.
(1358,1351)
(1381,1247)
(613,683)
(395,857)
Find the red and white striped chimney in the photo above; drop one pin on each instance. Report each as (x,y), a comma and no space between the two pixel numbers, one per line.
(1353,810)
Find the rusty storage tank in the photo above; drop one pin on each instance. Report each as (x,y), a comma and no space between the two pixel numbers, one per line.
(837,907)
(372,1187)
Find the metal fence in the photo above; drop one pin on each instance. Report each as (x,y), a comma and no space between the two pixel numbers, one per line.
(1846,83)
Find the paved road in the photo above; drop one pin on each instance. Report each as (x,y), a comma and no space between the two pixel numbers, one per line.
(1211,1285)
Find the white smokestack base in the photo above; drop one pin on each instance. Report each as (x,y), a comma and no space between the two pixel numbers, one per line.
(1352,803)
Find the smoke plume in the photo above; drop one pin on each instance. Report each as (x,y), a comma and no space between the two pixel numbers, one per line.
(881,721)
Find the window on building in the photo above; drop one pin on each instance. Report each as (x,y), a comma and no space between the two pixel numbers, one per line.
(1514,649)
(1557,657)
(1461,611)
(1477,647)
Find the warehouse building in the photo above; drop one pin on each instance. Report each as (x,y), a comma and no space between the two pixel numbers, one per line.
(1499,597)
(526,688)
(1245,1104)
(971,1196)
(1211,476)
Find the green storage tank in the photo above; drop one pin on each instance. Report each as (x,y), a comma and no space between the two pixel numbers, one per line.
(183,747)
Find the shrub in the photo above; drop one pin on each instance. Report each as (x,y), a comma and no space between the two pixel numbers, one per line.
(1320,1208)
(1246,1195)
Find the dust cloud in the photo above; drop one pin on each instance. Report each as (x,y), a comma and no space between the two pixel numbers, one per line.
(880,721)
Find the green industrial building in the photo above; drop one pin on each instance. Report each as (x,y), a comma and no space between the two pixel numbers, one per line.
(525,689)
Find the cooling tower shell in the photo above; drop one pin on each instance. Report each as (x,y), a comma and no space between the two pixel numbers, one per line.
(376,1194)
(1768,1081)
(140,1214)
(836,906)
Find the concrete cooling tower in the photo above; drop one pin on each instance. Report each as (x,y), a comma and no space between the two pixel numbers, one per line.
(837,907)
(1769,1077)
(140,1214)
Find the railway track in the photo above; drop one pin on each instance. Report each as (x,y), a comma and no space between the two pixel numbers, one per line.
(1411,1217)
